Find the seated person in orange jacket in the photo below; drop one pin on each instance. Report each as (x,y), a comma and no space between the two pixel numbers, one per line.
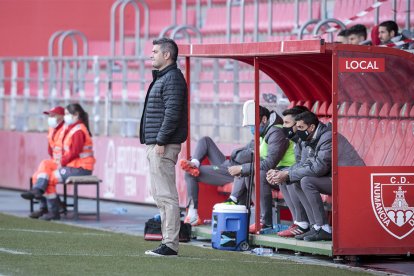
(75,157)
(40,177)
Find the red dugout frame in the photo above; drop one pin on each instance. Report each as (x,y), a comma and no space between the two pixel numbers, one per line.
(315,71)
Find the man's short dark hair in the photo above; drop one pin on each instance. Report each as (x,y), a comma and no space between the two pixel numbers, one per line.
(263,111)
(390,26)
(359,30)
(343,33)
(308,118)
(167,45)
(294,111)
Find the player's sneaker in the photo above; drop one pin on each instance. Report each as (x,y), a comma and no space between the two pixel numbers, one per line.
(229,201)
(292,231)
(319,235)
(189,167)
(252,228)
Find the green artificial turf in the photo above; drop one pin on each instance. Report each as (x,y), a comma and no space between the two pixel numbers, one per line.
(32,247)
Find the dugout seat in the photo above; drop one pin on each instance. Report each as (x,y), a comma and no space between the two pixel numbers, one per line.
(384,135)
(402,124)
(403,157)
(350,122)
(360,143)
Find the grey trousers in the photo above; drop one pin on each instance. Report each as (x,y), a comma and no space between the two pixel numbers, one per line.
(239,191)
(214,174)
(293,202)
(311,199)
(164,191)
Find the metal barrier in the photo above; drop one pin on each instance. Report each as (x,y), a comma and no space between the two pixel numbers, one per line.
(242,21)
(137,37)
(113,94)
(326,21)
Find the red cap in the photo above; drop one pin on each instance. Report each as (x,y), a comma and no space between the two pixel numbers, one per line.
(58,110)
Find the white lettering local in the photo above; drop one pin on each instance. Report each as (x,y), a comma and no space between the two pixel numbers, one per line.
(363,64)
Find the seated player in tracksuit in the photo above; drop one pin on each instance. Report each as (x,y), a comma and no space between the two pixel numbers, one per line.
(216,173)
(312,174)
(276,151)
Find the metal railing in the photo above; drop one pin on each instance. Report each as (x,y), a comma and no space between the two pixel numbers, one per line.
(137,39)
(113,93)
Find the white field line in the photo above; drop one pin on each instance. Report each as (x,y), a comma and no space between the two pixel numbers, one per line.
(52,232)
(14,252)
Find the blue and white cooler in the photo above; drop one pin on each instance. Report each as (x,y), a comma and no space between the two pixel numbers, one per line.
(229,227)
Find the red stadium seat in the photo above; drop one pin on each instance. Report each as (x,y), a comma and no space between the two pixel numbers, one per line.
(292,104)
(361,128)
(351,122)
(342,112)
(323,109)
(308,104)
(315,108)
(403,157)
(384,136)
(400,128)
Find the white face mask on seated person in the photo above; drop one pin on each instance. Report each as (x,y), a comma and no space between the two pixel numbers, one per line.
(70,119)
(52,122)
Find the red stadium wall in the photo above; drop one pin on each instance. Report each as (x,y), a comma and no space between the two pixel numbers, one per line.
(121,164)
(26,25)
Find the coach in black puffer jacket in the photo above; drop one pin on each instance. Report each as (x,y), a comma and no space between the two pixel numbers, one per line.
(164,118)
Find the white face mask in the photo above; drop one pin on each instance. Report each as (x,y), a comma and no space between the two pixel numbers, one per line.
(69,119)
(52,122)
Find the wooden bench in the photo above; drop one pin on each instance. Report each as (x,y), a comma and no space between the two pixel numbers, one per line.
(77,181)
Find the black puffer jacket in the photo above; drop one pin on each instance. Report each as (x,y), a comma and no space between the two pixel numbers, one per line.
(164,118)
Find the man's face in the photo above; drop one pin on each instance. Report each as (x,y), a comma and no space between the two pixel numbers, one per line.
(342,39)
(288,121)
(59,118)
(355,39)
(159,59)
(300,125)
(385,35)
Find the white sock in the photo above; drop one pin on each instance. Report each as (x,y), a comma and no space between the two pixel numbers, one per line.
(192,213)
(302,224)
(327,228)
(316,227)
(195,162)
(233,198)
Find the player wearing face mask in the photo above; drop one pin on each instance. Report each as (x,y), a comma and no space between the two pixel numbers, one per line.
(40,177)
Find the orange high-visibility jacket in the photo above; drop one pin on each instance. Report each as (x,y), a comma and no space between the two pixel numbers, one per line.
(55,144)
(86,159)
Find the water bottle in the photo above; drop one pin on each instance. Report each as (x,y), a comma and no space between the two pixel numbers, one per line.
(260,251)
(119,211)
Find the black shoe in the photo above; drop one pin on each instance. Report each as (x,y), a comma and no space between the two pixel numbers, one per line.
(310,232)
(162,250)
(34,193)
(38,214)
(62,208)
(320,235)
(50,216)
